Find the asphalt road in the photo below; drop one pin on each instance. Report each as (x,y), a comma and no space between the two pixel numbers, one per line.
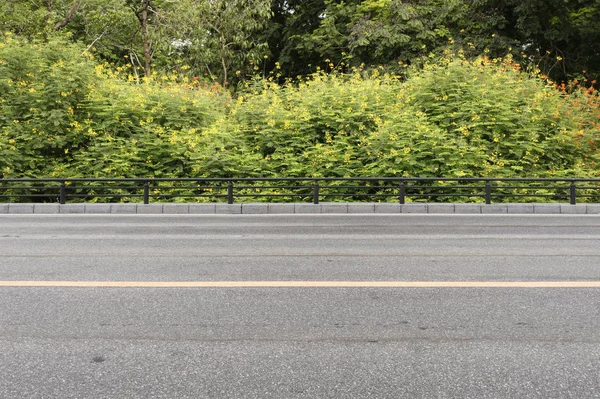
(313,342)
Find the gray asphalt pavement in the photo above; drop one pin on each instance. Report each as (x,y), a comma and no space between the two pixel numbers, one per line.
(65,342)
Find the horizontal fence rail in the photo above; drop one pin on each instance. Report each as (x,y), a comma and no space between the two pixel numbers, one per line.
(230,190)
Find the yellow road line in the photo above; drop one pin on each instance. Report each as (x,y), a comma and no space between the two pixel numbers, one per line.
(306,284)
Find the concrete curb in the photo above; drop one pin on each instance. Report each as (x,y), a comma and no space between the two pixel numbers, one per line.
(304,208)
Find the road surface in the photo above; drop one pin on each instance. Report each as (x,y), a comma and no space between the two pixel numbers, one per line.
(299,306)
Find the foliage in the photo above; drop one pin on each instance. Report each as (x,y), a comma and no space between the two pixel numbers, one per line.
(217,37)
(384,31)
(22,18)
(142,130)
(453,118)
(557,35)
(63,115)
(111,31)
(510,122)
(220,37)
(291,21)
(42,90)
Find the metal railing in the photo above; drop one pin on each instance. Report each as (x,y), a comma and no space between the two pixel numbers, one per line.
(313,190)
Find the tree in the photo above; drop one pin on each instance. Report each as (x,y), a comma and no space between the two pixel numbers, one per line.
(368,31)
(564,35)
(292,22)
(125,28)
(385,31)
(561,36)
(217,35)
(37,19)
(142,10)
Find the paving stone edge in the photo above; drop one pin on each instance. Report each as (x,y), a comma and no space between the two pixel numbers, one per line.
(300,208)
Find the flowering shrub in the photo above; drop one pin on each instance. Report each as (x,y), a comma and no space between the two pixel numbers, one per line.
(143,130)
(506,122)
(42,91)
(63,115)
(452,118)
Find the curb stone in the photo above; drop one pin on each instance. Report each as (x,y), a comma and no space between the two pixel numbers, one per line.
(149,209)
(203,209)
(387,208)
(299,208)
(334,208)
(467,208)
(280,208)
(97,208)
(123,208)
(494,208)
(307,208)
(573,209)
(176,209)
(228,209)
(415,208)
(361,208)
(546,208)
(71,208)
(520,208)
(255,209)
(46,208)
(20,208)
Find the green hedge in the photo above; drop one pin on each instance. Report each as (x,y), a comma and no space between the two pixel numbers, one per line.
(62,115)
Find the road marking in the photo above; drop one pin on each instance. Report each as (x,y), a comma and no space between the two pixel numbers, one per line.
(305,284)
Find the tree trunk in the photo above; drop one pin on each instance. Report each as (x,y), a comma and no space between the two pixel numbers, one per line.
(224,60)
(49,5)
(72,12)
(143,17)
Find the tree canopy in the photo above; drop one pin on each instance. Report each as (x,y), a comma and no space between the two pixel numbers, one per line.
(225,40)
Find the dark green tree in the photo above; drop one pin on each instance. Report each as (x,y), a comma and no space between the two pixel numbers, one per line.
(560,36)
(291,22)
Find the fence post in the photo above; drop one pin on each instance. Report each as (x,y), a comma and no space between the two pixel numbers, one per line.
(402,192)
(230,192)
(63,193)
(316,192)
(146,193)
(573,192)
(488,192)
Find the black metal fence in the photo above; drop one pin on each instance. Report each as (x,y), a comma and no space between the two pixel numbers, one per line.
(314,190)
